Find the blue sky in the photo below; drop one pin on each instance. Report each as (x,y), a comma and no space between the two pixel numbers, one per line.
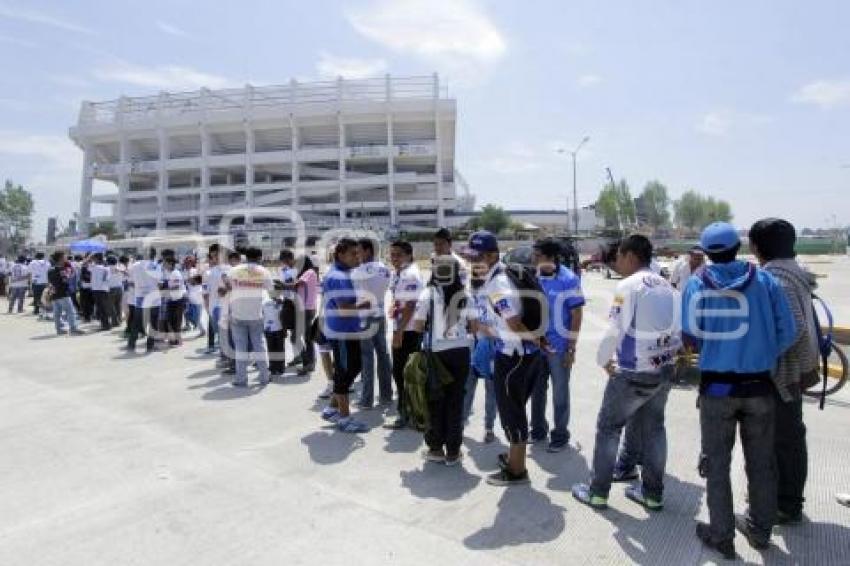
(748,101)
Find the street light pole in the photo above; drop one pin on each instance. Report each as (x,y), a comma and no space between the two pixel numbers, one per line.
(573,154)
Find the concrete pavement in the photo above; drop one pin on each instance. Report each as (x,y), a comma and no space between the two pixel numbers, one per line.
(110,458)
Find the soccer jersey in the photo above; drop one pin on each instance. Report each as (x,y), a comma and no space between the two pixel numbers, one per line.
(406,287)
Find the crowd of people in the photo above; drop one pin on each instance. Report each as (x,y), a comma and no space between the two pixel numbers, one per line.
(475,319)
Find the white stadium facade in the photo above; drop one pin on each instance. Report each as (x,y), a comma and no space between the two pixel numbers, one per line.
(372,152)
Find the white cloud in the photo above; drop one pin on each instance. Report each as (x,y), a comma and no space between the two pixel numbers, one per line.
(715,123)
(16,41)
(826,94)
(331,66)
(453,34)
(589,80)
(49,166)
(721,122)
(41,18)
(171,29)
(162,77)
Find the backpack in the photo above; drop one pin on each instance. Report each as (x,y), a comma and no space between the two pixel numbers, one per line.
(533,300)
(424,378)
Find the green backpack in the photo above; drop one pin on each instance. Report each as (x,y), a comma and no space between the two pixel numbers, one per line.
(424,378)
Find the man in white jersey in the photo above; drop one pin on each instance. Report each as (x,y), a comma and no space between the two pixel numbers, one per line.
(146,276)
(644,334)
(19,282)
(371,280)
(38,269)
(213,280)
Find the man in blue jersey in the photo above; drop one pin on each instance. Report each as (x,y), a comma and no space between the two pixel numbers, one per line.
(342,327)
(738,317)
(563,293)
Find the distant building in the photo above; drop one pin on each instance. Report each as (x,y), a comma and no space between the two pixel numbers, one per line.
(376,152)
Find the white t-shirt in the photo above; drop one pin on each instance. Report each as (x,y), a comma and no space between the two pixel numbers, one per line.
(271,315)
(249,283)
(445,337)
(146,275)
(645,324)
(371,281)
(499,296)
(39,268)
(213,280)
(18,276)
(288,275)
(117,275)
(176,288)
(406,286)
(99,277)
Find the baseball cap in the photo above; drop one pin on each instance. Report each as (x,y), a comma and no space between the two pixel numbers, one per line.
(719,237)
(481,242)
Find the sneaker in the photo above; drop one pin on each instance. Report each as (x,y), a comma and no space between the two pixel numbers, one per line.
(454,459)
(505,478)
(582,493)
(783,518)
(295,361)
(397,424)
(327,392)
(635,493)
(502,460)
(489,437)
(209,351)
(349,425)
(435,456)
(756,541)
(229,370)
(556,446)
(239,383)
(843,499)
(724,547)
(330,414)
(621,475)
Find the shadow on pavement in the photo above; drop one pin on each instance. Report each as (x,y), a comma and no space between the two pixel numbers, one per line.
(405,440)
(438,481)
(331,447)
(485,456)
(228,392)
(524,516)
(45,337)
(829,542)
(649,538)
(204,373)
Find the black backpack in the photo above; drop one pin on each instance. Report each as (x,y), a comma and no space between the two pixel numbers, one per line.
(535,307)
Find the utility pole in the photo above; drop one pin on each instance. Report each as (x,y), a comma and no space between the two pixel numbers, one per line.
(575,189)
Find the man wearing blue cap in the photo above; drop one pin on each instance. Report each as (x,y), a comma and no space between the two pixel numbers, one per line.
(738,317)
(518,360)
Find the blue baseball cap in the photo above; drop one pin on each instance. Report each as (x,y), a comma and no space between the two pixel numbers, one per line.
(719,237)
(481,242)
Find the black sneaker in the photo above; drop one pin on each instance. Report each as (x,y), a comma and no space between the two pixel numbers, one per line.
(503,461)
(504,478)
(783,518)
(724,547)
(620,475)
(743,527)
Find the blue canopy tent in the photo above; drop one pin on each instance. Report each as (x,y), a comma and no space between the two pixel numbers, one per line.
(88,246)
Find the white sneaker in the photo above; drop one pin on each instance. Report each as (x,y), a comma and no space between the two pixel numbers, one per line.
(327,392)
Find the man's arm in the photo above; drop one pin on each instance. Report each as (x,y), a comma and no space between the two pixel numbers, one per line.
(620,320)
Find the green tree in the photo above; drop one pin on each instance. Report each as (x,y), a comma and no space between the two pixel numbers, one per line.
(108,229)
(16,208)
(655,205)
(694,211)
(616,206)
(492,218)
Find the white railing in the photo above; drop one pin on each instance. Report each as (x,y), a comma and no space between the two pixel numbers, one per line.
(134,109)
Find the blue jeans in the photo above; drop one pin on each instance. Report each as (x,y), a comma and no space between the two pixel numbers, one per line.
(560,376)
(248,339)
(489,399)
(17,294)
(640,398)
(64,305)
(376,344)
